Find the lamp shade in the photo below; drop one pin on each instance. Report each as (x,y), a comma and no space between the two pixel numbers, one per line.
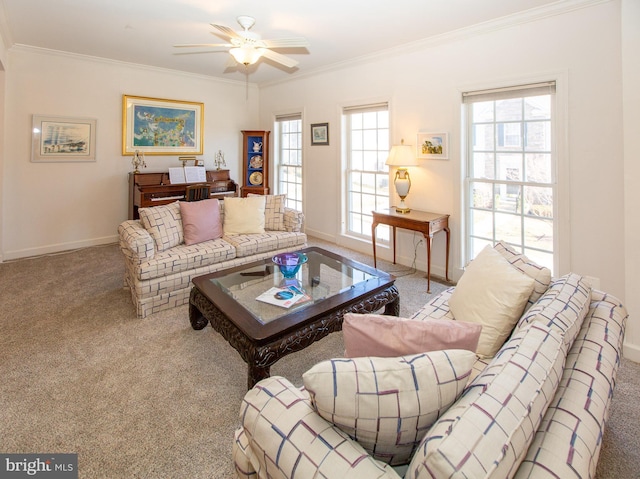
(402,155)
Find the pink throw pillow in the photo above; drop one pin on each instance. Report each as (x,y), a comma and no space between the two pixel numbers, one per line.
(200,221)
(389,336)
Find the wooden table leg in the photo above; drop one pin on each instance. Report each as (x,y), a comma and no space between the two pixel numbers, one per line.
(373,240)
(428,239)
(446,271)
(394,245)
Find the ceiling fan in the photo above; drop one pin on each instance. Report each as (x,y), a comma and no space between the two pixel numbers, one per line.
(247,47)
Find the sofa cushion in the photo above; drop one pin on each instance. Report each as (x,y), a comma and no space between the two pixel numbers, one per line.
(540,274)
(487,432)
(493,293)
(563,307)
(244,215)
(184,258)
(388,404)
(164,224)
(250,244)
(389,336)
(200,221)
(273,211)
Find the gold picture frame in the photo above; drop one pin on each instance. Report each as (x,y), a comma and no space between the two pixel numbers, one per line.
(156,126)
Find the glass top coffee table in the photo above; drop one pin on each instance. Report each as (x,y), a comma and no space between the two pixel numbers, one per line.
(262,332)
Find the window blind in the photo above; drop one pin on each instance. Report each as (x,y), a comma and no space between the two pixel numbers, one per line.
(532,89)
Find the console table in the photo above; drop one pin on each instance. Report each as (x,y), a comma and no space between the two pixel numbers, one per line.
(426,223)
(154,189)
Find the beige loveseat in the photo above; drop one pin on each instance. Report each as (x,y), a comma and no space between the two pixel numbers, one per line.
(160,266)
(537,409)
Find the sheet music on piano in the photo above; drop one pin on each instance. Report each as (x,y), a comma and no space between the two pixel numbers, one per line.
(177,175)
(195,174)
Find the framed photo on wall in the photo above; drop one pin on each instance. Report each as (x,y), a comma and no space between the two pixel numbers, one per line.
(155,126)
(59,138)
(433,145)
(320,133)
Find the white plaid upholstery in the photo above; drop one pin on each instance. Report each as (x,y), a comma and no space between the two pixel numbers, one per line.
(562,307)
(569,438)
(160,280)
(247,245)
(509,396)
(487,432)
(273,212)
(164,224)
(540,274)
(282,436)
(388,404)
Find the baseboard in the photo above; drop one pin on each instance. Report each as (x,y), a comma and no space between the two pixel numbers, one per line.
(57,248)
(631,352)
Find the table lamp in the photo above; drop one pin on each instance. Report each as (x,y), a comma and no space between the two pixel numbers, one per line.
(402,156)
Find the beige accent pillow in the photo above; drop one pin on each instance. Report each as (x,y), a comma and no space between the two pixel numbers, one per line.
(389,336)
(244,215)
(164,224)
(493,293)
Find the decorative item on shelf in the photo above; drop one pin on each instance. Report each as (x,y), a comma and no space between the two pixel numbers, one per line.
(402,156)
(219,160)
(289,263)
(138,161)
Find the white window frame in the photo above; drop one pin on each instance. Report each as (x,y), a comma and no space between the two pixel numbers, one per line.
(283,146)
(560,168)
(379,197)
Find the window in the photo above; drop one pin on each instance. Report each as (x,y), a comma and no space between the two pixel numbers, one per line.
(289,159)
(366,131)
(510,180)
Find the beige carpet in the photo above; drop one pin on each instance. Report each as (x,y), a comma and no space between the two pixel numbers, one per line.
(153,398)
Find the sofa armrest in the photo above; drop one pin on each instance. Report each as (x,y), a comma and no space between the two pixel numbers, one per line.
(293,220)
(135,242)
(281,432)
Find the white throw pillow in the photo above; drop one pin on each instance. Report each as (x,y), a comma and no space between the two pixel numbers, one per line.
(244,215)
(388,404)
(493,293)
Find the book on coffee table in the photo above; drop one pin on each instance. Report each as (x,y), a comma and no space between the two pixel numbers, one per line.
(283,297)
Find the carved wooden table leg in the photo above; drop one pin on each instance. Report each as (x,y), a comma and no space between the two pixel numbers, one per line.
(197,319)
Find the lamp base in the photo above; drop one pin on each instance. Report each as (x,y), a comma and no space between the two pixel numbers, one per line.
(402,209)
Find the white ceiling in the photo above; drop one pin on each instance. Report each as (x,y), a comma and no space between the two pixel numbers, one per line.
(144,31)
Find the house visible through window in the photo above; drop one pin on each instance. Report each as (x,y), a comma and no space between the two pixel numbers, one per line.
(366,138)
(510,174)
(288,150)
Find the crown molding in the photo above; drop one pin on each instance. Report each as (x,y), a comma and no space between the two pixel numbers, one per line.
(560,7)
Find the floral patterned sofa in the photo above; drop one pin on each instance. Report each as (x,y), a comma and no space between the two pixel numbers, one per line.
(159,264)
(536,409)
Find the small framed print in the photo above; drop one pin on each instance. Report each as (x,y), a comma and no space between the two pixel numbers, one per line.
(320,134)
(433,145)
(59,139)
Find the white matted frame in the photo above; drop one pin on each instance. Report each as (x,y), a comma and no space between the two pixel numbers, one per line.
(63,139)
(433,146)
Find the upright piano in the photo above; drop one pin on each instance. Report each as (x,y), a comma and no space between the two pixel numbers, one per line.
(154,189)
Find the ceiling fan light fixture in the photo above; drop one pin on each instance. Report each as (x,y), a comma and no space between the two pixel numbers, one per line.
(246,55)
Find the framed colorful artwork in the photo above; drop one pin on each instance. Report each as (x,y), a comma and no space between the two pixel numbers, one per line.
(155,126)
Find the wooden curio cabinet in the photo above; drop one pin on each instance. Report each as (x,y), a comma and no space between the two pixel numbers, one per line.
(255,162)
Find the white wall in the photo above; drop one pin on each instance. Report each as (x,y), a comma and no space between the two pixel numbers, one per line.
(580,49)
(631,101)
(58,206)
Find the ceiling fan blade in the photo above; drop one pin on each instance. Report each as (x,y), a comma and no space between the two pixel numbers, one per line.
(225,31)
(182,45)
(278,57)
(287,42)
